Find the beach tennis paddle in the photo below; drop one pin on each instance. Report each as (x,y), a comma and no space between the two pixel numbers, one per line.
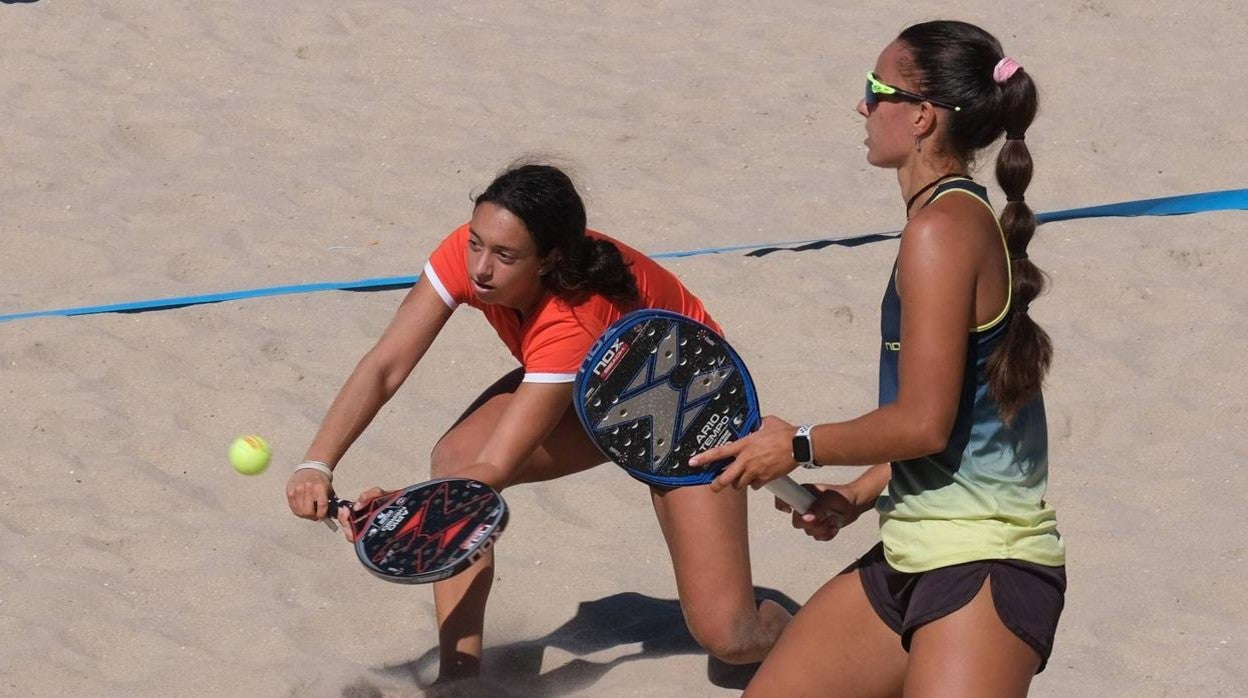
(425,532)
(659,387)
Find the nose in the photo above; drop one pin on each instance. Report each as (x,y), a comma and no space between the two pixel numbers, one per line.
(863,108)
(481,267)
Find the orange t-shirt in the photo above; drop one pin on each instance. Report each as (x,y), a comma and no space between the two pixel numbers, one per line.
(551,343)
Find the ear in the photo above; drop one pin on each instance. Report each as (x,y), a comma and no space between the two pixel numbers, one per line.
(548,263)
(925,119)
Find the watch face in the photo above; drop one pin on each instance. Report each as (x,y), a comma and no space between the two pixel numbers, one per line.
(801,449)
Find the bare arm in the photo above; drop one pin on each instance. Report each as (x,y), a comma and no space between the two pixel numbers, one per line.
(868,486)
(936,280)
(532,414)
(837,506)
(374,381)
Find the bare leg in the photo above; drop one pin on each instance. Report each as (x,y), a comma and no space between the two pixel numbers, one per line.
(835,646)
(707,538)
(970,653)
(706,535)
(460,603)
(461,600)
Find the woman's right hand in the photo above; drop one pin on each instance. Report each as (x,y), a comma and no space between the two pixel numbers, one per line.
(833,509)
(307,493)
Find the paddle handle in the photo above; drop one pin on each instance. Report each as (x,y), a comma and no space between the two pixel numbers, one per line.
(792,494)
(331,512)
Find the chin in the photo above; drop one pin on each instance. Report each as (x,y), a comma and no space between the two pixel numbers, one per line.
(878,159)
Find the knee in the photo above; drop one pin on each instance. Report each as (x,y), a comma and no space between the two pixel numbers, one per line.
(725,639)
(738,635)
(446,459)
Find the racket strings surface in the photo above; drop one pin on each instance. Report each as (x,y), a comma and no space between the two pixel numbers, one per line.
(671,389)
(430,529)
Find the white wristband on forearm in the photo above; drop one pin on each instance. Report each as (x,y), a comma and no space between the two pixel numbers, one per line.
(317,466)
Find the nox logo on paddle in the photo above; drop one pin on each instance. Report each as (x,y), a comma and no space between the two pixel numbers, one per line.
(610,359)
(477,536)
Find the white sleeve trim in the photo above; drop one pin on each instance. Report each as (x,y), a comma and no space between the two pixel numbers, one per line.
(549,377)
(437,286)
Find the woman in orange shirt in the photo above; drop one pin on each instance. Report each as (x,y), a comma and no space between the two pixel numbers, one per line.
(549,287)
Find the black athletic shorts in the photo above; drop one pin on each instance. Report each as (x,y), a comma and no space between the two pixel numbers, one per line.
(1028,597)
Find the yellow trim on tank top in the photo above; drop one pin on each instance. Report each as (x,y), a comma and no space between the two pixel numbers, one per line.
(1009,272)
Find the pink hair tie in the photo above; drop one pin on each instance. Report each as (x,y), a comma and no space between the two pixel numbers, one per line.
(1005,69)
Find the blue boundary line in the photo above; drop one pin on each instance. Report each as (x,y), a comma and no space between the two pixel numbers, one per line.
(1229,200)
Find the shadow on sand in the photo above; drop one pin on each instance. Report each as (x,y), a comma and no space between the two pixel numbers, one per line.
(515,669)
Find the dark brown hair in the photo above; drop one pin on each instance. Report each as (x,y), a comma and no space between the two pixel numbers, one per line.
(546,201)
(954,62)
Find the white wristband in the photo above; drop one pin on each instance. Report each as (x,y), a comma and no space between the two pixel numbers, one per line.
(317,466)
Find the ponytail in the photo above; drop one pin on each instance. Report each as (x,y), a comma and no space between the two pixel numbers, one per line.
(1017,366)
(593,265)
(960,63)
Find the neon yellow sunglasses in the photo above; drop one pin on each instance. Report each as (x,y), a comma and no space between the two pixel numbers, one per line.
(877,90)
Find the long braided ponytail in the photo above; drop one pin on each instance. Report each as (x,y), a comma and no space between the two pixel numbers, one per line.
(959,63)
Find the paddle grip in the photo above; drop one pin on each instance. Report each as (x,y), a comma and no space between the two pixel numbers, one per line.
(792,494)
(331,512)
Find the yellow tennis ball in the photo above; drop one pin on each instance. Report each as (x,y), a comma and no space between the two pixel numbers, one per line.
(250,454)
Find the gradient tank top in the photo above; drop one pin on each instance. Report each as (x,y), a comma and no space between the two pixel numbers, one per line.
(982,498)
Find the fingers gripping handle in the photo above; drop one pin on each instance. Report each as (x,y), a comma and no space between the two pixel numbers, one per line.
(331,512)
(792,494)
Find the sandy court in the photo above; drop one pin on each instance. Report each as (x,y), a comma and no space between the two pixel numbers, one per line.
(157,149)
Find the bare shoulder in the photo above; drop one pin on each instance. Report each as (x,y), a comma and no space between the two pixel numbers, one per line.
(934,235)
(950,228)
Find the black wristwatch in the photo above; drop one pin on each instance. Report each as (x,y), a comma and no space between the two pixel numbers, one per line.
(804,448)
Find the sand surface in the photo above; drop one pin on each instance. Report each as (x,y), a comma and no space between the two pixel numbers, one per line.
(154,149)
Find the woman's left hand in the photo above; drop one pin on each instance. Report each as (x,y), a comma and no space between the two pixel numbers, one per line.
(757,459)
(834,508)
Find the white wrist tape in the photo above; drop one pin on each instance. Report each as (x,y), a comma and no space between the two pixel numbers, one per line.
(317,466)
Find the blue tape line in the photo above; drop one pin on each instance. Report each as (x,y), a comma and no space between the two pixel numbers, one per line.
(379,284)
(1229,200)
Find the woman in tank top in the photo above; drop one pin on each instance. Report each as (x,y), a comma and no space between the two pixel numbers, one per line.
(964,592)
